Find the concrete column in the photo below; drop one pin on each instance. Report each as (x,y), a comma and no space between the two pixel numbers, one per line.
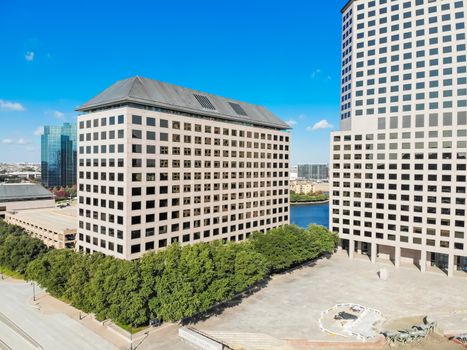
(351,248)
(397,257)
(423,261)
(374,252)
(339,246)
(451,263)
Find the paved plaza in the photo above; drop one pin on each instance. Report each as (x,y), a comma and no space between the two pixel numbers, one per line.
(291,305)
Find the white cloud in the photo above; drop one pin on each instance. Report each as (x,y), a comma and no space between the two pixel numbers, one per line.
(58,114)
(322,124)
(315,73)
(291,122)
(29,56)
(39,131)
(22,141)
(11,106)
(321,75)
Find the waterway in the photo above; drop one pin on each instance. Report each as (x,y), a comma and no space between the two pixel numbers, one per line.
(304,215)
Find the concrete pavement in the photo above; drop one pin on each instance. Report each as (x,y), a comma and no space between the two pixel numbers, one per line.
(22,326)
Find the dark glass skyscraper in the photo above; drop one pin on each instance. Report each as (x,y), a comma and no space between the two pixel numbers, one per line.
(58,155)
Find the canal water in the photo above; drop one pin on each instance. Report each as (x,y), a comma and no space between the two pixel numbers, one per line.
(304,215)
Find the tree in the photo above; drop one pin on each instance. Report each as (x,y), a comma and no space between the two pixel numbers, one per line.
(52,270)
(250,268)
(78,284)
(114,292)
(289,246)
(183,283)
(17,250)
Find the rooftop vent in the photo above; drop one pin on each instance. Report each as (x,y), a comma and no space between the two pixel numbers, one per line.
(238,109)
(204,102)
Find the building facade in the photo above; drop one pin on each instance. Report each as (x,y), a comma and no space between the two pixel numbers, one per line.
(58,156)
(398,165)
(160,164)
(55,227)
(313,172)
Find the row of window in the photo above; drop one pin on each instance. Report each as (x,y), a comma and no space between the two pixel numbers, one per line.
(402,238)
(187,213)
(408,4)
(176,176)
(185,201)
(185,238)
(406,123)
(176,125)
(151,190)
(404,166)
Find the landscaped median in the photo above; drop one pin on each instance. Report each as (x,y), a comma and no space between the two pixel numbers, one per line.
(309,198)
(176,283)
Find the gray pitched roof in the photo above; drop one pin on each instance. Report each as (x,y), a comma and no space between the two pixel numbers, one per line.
(347,4)
(23,191)
(158,94)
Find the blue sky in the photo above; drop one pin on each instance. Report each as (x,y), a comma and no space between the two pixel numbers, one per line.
(55,55)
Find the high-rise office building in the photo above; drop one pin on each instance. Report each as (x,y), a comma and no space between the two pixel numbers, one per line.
(159,164)
(314,172)
(58,155)
(398,165)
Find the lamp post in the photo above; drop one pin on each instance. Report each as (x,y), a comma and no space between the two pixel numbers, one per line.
(33,291)
(131,337)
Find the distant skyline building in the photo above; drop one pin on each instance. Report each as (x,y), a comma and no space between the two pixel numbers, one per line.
(160,164)
(398,165)
(293,173)
(59,155)
(314,172)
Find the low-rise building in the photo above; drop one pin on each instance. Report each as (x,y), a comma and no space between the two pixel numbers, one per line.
(306,187)
(56,227)
(22,196)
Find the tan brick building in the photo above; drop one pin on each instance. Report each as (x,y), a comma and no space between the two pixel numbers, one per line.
(158,163)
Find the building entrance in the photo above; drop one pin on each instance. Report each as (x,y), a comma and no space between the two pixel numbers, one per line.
(462,263)
(440,260)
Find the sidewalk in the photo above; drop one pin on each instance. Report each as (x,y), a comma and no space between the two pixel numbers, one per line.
(45,324)
(49,305)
